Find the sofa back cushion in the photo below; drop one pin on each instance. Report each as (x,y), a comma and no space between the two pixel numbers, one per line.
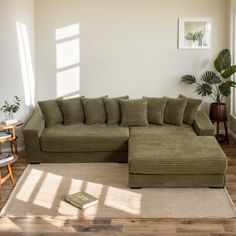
(155,110)
(94,110)
(190,109)
(112,108)
(51,112)
(72,111)
(174,111)
(133,112)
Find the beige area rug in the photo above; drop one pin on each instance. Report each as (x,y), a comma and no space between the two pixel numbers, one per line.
(42,189)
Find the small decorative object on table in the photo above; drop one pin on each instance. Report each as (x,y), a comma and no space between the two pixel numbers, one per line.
(81,200)
(9,109)
(217,85)
(8,134)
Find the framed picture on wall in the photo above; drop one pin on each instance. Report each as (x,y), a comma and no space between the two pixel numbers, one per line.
(195,33)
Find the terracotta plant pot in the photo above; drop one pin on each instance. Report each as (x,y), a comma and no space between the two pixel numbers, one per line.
(218,112)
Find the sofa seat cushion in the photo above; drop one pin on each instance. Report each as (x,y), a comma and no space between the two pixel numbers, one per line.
(196,155)
(84,138)
(160,131)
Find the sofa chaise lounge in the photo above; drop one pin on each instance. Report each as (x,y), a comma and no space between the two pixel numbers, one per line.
(158,155)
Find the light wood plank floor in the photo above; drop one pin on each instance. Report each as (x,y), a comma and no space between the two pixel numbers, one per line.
(59,226)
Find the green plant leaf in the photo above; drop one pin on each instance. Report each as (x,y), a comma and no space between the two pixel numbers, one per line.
(229,72)
(188,79)
(225,88)
(210,77)
(204,89)
(223,61)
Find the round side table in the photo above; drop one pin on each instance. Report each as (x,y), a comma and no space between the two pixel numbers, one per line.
(9,175)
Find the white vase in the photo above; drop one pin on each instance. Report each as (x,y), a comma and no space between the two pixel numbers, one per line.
(9,115)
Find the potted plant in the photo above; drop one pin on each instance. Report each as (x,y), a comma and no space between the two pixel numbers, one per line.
(216,84)
(10,108)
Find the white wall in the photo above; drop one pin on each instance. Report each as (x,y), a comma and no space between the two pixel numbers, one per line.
(12,62)
(126,46)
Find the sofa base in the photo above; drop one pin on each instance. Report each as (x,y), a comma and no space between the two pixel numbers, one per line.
(83,157)
(176,181)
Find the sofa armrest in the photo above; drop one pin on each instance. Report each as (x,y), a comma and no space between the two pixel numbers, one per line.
(202,125)
(32,132)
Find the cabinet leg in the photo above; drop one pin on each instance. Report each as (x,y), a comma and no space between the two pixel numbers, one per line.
(11,175)
(15,145)
(226,132)
(11,144)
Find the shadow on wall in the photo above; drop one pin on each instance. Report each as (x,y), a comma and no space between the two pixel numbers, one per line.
(68,61)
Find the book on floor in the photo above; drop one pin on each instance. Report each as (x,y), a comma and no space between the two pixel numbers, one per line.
(4,135)
(5,157)
(81,200)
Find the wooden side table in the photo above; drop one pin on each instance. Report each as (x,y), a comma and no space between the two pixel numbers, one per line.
(9,175)
(221,137)
(218,114)
(13,139)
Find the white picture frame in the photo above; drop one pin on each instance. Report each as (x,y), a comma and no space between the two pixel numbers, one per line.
(195,33)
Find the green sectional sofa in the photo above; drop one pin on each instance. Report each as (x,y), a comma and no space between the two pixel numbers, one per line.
(164,155)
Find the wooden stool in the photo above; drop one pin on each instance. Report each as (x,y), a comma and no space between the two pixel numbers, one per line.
(218,113)
(220,137)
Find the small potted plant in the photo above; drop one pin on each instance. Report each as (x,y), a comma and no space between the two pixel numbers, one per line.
(216,84)
(10,108)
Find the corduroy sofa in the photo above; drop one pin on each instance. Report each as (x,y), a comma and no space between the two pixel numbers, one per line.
(164,155)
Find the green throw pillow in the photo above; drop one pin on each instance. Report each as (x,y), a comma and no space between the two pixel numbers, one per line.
(174,112)
(112,108)
(72,110)
(51,112)
(94,110)
(190,109)
(155,110)
(133,112)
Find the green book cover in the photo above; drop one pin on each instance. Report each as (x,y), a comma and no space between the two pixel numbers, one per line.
(81,200)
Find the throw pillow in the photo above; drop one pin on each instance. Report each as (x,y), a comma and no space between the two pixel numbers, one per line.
(133,112)
(112,108)
(51,112)
(174,112)
(156,109)
(94,110)
(190,109)
(72,110)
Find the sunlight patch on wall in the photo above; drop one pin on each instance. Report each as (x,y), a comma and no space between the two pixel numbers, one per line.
(68,60)
(66,82)
(26,63)
(68,31)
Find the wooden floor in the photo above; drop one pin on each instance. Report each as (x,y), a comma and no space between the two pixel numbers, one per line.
(59,226)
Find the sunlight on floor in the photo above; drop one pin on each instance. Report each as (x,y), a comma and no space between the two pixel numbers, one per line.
(26,63)
(68,60)
(48,190)
(29,185)
(123,200)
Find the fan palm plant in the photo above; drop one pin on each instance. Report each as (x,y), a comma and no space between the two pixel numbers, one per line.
(216,84)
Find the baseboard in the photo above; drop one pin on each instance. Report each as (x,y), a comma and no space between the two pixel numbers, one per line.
(9,149)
